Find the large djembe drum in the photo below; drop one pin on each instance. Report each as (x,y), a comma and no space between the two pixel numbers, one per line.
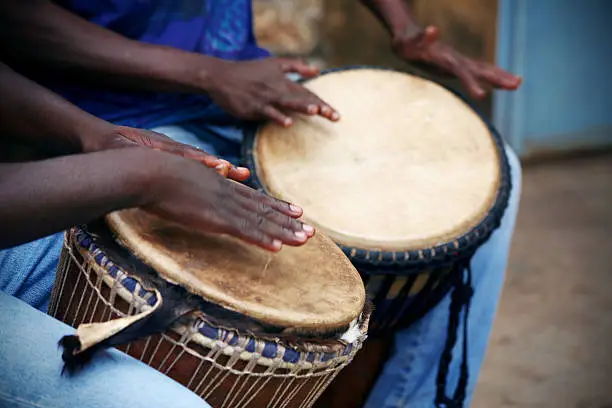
(237,325)
(409,183)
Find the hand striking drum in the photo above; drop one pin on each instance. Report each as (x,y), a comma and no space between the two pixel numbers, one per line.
(237,325)
(409,183)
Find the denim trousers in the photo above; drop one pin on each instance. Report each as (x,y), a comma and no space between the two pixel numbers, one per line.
(32,363)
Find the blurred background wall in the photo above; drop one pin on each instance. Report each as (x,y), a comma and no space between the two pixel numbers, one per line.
(551,340)
(342,32)
(561,48)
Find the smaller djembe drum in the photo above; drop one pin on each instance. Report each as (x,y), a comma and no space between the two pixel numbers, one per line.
(410,182)
(237,325)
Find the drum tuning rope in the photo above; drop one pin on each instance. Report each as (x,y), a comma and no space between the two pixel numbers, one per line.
(460,299)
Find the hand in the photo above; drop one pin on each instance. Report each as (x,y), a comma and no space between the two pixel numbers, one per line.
(422,46)
(121,136)
(193,195)
(255,90)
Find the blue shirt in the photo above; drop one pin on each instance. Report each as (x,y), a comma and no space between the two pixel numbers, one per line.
(218,28)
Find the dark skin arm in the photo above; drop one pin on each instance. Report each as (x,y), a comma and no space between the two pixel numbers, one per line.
(40,198)
(421,46)
(35,116)
(42,35)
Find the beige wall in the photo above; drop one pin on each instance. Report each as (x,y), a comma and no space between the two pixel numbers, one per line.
(343,32)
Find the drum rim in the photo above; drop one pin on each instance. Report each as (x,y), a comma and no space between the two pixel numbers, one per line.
(228,338)
(405,262)
(305,318)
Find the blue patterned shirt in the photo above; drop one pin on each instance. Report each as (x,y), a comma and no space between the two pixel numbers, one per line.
(219,28)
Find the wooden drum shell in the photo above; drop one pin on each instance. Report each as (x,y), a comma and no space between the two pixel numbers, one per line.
(84,293)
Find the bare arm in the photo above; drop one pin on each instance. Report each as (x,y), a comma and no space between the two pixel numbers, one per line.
(40,118)
(395,16)
(42,36)
(40,32)
(34,116)
(420,46)
(40,198)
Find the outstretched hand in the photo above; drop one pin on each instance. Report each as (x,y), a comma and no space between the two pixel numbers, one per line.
(424,48)
(123,136)
(192,195)
(256,90)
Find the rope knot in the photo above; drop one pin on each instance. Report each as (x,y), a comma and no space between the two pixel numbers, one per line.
(462,294)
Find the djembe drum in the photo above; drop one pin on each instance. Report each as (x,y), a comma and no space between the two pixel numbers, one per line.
(235,324)
(409,183)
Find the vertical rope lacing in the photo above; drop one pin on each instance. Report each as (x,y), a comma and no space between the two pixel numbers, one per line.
(460,299)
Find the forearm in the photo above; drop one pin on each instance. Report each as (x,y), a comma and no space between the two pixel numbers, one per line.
(395,15)
(38,117)
(42,33)
(41,198)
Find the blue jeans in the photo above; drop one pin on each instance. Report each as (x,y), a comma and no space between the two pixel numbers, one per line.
(28,271)
(409,376)
(31,366)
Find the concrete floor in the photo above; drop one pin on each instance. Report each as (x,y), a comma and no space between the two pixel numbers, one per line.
(552,342)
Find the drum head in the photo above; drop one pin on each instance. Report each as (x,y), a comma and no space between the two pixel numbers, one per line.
(310,287)
(408,166)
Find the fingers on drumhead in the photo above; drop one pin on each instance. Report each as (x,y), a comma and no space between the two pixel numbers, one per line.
(270,112)
(256,237)
(272,221)
(284,207)
(253,196)
(309,103)
(301,106)
(262,219)
(264,233)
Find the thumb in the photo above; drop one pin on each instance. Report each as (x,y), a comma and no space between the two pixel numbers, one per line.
(223,167)
(430,35)
(186,151)
(424,38)
(298,66)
